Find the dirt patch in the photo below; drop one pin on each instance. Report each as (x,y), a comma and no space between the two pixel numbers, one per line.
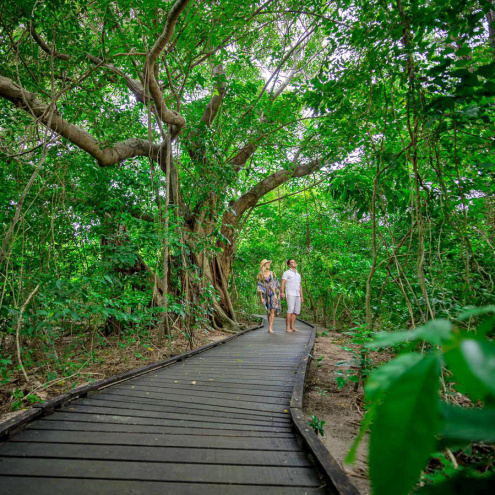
(341,409)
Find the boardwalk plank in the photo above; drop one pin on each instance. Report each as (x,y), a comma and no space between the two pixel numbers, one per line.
(213,442)
(175,405)
(80,486)
(150,471)
(222,383)
(154,454)
(163,417)
(136,420)
(199,399)
(192,391)
(179,429)
(286,384)
(209,387)
(174,410)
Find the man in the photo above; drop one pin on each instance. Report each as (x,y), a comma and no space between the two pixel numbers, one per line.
(292,280)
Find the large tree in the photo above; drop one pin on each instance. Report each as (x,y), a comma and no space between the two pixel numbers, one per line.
(195,107)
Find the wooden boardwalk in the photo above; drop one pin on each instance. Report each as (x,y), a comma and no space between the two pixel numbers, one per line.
(216,423)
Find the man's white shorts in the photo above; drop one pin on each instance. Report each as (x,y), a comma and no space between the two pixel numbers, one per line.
(293,304)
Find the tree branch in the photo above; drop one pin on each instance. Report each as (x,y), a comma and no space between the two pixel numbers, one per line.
(243,155)
(249,199)
(165,114)
(289,194)
(211,109)
(48,115)
(134,85)
(271,182)
(45,47)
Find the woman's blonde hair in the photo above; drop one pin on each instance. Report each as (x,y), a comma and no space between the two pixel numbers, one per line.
(261,273)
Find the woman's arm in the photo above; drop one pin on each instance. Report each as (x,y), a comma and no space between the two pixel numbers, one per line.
(260,289)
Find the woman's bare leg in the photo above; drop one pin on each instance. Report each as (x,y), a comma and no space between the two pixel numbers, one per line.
(271,317)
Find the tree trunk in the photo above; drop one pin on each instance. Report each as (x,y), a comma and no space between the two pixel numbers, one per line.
(215,273)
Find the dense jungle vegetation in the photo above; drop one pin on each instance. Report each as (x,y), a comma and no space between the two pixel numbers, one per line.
(153,152)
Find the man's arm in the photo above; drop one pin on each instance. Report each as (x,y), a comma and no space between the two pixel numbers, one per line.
(300,291)
(282,288)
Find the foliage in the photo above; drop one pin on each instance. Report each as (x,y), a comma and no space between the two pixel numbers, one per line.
(400,229)
(405,413)
(317,425)
(118,239)
(355,137)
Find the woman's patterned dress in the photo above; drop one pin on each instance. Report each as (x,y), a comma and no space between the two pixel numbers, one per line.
(270,289)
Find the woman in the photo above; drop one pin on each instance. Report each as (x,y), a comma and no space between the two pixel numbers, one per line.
(269,290)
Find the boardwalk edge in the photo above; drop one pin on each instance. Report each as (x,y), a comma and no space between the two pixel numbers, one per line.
(17,424)
(335,476)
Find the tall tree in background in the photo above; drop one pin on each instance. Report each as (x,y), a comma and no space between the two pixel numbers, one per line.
(190,111)
(140,135)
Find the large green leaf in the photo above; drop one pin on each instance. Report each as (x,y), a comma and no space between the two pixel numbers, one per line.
(473,365)
(376,386)
(465,425)
(383,377)
(403,433)
(460,485)
(476,312)
(435,332)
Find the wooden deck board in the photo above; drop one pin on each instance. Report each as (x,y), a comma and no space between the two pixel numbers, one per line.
(150,439)
(105,425)
(191,390)
(195,407)
(210,387)
(136,420)
(155,454)
(239,403)
(163,417)
(269,384)
(151,471)
(221,383)
(81,486)
(176,411)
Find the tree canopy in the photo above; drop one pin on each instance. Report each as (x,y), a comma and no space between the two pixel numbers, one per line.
(138,139)
(153,152)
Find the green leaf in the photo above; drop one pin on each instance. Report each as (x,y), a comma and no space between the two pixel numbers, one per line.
(463,51)
(487,71)
(476,312)
(462,484)
(383,378)
(376,387)
(462,425)
(435,332)
(486,327)
(473,364)
(403,433)
(367,420)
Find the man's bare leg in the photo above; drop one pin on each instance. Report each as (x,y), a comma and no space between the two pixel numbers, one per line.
(293,322)
(288,325)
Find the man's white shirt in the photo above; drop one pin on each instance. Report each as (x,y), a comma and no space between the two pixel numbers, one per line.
(292,283)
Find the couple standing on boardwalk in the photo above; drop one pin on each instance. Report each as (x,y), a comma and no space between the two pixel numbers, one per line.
(270,291)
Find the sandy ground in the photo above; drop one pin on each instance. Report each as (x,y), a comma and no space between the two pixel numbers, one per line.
(342,410)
